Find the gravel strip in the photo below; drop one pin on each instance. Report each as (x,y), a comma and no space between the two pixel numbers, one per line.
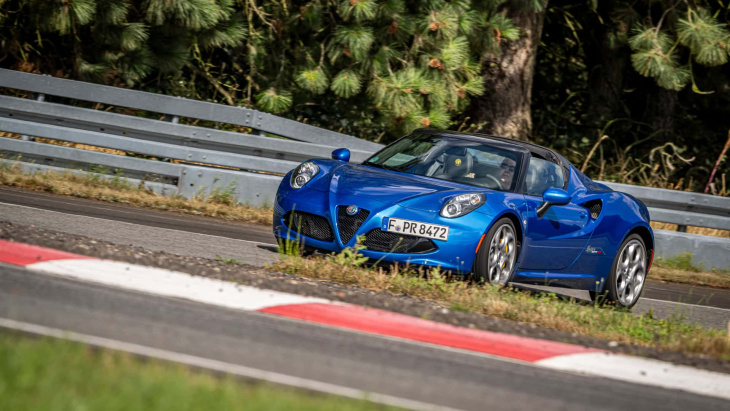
(264,278)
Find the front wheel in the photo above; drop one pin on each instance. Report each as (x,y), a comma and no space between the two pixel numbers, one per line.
(497,254)
(628,273)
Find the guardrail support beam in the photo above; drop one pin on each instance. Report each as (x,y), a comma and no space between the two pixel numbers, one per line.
(38,97)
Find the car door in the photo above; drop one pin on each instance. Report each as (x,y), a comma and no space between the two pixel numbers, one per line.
(555,240)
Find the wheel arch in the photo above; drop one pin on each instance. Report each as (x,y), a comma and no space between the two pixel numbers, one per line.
(518,228)
(645,235)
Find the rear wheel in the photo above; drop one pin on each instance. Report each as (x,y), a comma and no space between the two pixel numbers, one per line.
(628,273)
(497,254)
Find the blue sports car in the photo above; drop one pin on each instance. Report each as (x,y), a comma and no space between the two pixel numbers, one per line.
(498,209)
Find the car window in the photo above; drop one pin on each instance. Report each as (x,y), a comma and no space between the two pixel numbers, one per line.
(464,161)
(398,159)
(541,175)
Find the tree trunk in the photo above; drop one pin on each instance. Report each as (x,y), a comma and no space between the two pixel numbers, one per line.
(659,111)
(607,60)
(505,104)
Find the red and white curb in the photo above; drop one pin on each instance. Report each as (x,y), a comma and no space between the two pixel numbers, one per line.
(548,354)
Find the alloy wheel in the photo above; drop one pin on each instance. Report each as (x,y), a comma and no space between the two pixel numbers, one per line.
(502,255)
(630,272)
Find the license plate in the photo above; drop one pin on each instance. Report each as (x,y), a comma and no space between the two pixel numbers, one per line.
(416,228)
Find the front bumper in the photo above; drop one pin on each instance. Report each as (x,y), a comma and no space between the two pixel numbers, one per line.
(456,255)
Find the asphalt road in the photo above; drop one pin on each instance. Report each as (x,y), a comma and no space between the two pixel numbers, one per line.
(254,244)
(188,235)
(414,371)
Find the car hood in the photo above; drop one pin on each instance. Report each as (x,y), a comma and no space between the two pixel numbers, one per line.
(393,187)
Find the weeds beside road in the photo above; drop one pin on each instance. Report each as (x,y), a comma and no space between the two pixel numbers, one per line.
(679,269)
(541,309)
(117,190)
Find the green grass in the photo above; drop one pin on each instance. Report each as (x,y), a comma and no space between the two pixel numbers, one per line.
(220,203)
(679,269)
(50,374)
(679,262)
(232,261)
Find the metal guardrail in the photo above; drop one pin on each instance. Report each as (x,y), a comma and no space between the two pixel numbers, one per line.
(178,107)
(199,160)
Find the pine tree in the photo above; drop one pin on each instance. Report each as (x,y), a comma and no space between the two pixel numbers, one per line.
(508,69)
(378,64)
(416,64)
(119,41)
(667,50)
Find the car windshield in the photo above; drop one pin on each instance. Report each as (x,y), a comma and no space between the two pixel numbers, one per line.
(450,158)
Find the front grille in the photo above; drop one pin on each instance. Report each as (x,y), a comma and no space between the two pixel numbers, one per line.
(379,240)
(348,224)
(310,225)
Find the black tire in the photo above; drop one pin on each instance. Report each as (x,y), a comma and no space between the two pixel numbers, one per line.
(628,267)
(505,261)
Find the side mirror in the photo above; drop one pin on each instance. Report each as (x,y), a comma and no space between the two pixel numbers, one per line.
(341,154)
(551,197)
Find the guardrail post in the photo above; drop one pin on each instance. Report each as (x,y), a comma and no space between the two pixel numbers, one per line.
(39,97)
(174,120)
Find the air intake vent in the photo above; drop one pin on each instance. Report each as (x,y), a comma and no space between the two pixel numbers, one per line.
(348,224)
(594,207)
(378,240)
(309,225)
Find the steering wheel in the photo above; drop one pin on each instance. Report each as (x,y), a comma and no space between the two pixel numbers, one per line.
(493,178)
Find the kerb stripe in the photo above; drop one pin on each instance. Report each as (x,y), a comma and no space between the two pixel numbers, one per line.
(24,254)
(411,328)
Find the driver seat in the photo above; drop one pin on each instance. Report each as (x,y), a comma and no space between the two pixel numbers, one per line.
(457,163)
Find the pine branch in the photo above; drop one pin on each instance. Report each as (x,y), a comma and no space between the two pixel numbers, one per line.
(213,82)
(261,15)
(273,101)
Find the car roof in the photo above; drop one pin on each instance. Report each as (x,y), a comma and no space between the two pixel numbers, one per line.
(518,145)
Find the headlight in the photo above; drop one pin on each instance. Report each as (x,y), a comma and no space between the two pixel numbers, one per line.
(302,174)
(462,204)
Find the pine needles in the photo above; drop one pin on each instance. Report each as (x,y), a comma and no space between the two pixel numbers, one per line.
(656,54)
(390,64)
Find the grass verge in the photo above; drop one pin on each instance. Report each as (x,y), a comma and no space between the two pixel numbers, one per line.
(679,269)
(544,310)
(45,374)
(219,204)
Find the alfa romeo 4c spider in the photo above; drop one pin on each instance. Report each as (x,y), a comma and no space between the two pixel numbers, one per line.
(496,209)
